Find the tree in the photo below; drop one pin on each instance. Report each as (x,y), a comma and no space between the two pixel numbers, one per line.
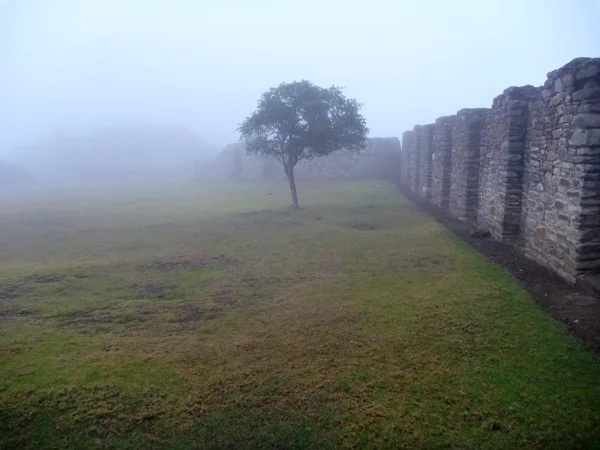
(300,120)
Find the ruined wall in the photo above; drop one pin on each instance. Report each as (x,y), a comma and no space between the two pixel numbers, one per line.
(561,220)
(376,160)
(528,169)
(441,161)
(502,162)
(379,159)
(414,162)
(232,163)
(409,159)
(464,174)
(425,144)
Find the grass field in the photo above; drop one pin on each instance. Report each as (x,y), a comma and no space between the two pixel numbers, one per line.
(215,317)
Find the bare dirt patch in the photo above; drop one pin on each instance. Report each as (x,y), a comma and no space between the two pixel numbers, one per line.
(13,291)
(92,317)
(207,261)
(13,314)
(79,318)
(43,278)
(189,313)
(103,320)
(223,299)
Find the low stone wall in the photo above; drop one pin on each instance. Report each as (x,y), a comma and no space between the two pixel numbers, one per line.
(464,172)
(501,160)
(379,159)
(441,161)
(425,142)
(410,161)
(527,169)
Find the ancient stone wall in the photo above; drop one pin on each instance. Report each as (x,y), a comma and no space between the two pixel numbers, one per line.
(442,161)
(379,159)
(464,175)
(425,143)
(408,168)
(376,160)
(527,170)
(501,162)
(414,158)
(561,220)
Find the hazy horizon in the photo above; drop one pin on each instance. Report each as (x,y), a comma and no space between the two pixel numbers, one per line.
(72,66)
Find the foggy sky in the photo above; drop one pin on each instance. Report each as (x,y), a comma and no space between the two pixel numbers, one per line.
(75,64)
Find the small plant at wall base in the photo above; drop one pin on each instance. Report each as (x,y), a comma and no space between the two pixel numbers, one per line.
(300,120)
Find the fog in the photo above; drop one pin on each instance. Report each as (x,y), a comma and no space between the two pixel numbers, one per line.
(74,71)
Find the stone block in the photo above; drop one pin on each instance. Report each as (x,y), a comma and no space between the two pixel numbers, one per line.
(586,120)
(585,137)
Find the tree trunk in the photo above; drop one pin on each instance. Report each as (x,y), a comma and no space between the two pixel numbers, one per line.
(289,171)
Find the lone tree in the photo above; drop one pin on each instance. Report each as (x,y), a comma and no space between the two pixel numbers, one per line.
(299,120)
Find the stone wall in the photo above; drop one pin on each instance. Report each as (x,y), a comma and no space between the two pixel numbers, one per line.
(408,166)
(379,159)
(528,169)
(562,171)
(441,161)
(425,143)
(376,160)
(501,160)
(464,174)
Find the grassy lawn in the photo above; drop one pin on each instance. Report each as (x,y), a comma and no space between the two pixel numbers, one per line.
(214,317)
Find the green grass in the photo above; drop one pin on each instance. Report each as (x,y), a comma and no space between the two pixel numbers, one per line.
(214,317)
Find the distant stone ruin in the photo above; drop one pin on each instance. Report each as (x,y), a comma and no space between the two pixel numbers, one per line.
(527,169)
(378,159)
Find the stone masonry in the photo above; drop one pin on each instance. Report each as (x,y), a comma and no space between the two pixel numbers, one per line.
(501,163)
(441,161)
(378,159)
(416,157)
(562,171)
(374,161)
(464,176)
(528,169)
(425,151)
(410,148)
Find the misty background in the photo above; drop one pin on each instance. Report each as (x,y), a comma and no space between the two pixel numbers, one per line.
(120,87)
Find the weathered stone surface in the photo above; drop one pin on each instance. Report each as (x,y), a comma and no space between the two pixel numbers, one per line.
(586,120)
(501,166)
(528,169)
(425,144)
(409,159)
(442,161)
(585,137)
(415,162)
(561,211)
(464,176)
